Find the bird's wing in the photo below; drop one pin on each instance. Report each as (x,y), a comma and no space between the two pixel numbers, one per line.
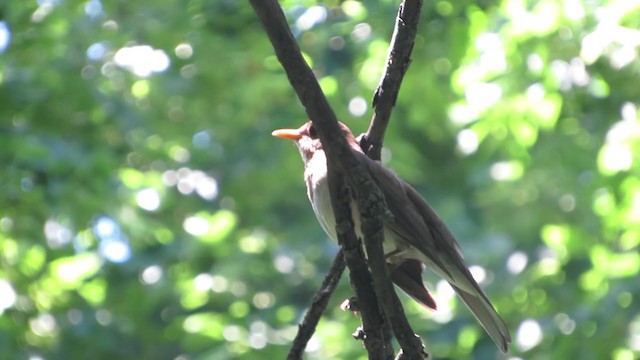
(408,276)
(415,222)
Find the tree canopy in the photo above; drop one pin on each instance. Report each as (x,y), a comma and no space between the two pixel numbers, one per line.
(147,213)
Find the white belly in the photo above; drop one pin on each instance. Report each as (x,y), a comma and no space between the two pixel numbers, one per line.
(321,203)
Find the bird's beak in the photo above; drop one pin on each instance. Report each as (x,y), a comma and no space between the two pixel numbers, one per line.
(291,134)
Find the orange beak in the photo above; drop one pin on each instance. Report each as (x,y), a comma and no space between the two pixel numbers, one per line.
(291,134)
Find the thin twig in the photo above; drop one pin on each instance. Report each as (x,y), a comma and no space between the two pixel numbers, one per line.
(398,59)
(318,304)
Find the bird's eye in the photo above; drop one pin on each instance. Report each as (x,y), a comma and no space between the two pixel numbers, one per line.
(312,132)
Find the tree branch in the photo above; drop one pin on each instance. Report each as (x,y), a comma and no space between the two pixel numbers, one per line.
(336,149)
(370,200)
(372,321)
(398,59)
(318,304)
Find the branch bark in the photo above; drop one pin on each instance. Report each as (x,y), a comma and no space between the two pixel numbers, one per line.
(398,60)
(336,149)
(318,304)
(342,162)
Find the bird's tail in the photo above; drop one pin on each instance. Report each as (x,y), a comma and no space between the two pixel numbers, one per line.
(487,316)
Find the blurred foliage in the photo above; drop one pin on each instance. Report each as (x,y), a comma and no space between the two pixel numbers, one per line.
(146,213)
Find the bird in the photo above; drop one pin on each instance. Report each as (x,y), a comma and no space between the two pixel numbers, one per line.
(413,235)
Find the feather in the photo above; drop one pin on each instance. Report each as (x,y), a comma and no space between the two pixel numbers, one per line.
(408,276)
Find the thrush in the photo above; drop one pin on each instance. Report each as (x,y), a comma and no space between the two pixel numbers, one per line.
(413,235)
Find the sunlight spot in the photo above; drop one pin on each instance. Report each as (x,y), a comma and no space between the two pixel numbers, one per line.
(142,60)
(492,56)
(140,89)
(517,262)
(479,273)
(529,335)
(361,32)
(314,345)
(115,251)
(188,181)
(148,199)
(483,95)
(104,317)
(5,36)
(336,43)
(535,92)
(6,224)
(196,225)
(263,300)
(578,72)
(311,17)
(151,275)
(629,112)
(560,72)
(201,139)
(467,141)
(462,114)
(258,335)
(188,71)
(97,51)
(206,187)
(110,25)
(43,325)
(253,243)
(114,245)
(179,154)
(506,170)
(232,333)
(622,56)
(443,295)
(44,9)
(357,106)
(238,288)
(535,63)
(170,177)
(615,157)
(75,316)
(8,295)
(184,51)
(564,323)
(93,8)
(567,202)
(203,282)
(220,284)
(106,227)
(57,234)
(185,181)
(634,334)
(284,264)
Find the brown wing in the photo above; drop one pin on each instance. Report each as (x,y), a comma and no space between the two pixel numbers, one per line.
(415,222)
(408,276)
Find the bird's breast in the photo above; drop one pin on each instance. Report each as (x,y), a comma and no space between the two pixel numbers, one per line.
(320,198)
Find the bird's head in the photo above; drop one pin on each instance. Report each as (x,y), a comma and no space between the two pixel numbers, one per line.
(307,141)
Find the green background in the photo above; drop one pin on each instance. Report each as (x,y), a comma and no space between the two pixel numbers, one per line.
(147,213)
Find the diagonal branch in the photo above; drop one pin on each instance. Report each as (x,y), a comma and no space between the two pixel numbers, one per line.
(318,304)
(398,59)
